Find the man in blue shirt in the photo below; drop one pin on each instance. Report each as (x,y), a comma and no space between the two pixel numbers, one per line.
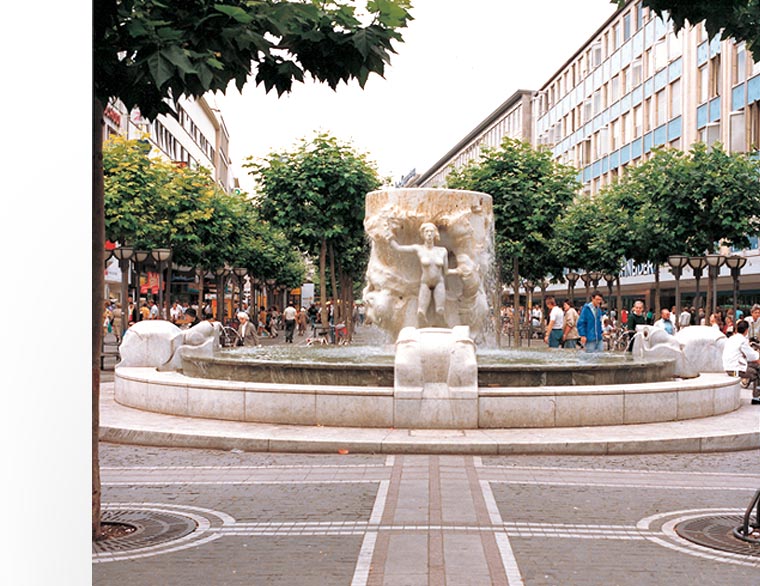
(590,324)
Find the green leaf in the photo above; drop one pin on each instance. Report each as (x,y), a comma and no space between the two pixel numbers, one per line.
(234,12)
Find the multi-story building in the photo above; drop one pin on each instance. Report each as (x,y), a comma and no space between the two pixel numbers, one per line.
(636,85)
(633,86)
(197,137)
(511,119)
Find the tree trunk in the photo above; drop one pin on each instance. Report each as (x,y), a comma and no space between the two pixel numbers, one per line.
(516,308)
(497,303)
(98,285)
(656,310)
(337,310)
(619,302)
(200,273)
(322,281)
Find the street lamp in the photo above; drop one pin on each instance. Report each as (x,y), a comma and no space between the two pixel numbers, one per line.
(240,272)
(610,278)
(595,277)
(714,262)
(221,276)
(735,263)
(697,264)
(529,286)
(677,262)
(586,278)
(162,256)
(140,256)
(123,254)
(571,277)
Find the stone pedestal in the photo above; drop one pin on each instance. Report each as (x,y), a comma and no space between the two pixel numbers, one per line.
(435,379)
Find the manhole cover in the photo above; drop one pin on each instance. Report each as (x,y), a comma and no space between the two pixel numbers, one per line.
(717,532)
(151,528)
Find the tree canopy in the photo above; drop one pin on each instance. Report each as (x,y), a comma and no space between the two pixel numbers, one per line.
(152,203)
(315,194)
(739,19)
(530,191)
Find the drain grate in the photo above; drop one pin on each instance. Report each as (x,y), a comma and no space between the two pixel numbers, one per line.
(717,532)
(151,528)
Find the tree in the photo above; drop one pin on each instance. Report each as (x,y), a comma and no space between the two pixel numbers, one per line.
(146,52)
(529,191)
(688,203)
(315,194)
(739,19)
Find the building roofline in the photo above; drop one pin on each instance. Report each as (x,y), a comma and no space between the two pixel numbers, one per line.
(487,121)
(607,22)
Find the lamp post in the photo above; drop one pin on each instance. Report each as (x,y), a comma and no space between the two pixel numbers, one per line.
(221,276)
(736,264)
(586,278)
(140,256)
(595,277)
(697,264)
(255,282)
(240,272)
(714,262)
(610,278)
(571,277)
(677,262)
(270,291)
(123,254)
(162,256)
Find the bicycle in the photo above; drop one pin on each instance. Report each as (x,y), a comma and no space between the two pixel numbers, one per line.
(229,338)
(620,340)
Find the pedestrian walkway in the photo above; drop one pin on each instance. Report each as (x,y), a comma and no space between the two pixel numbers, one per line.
(407,520)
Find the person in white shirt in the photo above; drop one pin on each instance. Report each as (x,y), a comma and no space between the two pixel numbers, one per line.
(665,322)
(289,315)
(740,359)
(246,330)
(684,319)
(753,319)
(556,323)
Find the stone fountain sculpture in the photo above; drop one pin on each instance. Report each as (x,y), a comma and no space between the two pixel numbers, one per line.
(430,262)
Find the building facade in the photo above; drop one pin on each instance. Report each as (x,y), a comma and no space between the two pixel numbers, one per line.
(511,119)
(633,86)
(198,136)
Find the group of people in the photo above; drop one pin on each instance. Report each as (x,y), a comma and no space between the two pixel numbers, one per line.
(569,329)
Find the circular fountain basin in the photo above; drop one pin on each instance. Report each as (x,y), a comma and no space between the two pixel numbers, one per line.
(373,366)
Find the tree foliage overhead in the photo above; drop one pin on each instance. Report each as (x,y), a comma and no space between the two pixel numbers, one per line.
(739,19)
(146,51)
(530,192)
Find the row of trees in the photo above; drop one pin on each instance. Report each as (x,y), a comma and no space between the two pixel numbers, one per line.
(674,203)
(151,203)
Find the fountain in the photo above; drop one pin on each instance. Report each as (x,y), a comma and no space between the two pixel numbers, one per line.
(427,280)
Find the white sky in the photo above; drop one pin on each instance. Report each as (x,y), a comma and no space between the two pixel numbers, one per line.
(459,62)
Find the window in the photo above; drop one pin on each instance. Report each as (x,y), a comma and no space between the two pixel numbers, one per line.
(703,84)
(714,89)
(662,107)
(675,98)
(627,27)
(627,124)
(636,73)
(638,121)
(615,131)
(753,111)
(596,54)
(740,63)
(614,89)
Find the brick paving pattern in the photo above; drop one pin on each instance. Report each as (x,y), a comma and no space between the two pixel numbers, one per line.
(299,519)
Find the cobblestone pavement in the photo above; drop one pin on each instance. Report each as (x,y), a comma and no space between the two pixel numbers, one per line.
(442,520)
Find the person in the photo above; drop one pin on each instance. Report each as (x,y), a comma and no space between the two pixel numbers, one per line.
(301,320)
(556,325)
(753,319)
(607,330)
(289,315)
(144,311)
(728,326)
(590,324)
(362,313)
(175,313)
(246,330)
(153,310)
(740,359)
(312,312)
(262,320)
(107,319)
(716,322)
(192,313)
(684,320)
(570,330)
(132,312)
(434,264)
(117,322)
(665,322)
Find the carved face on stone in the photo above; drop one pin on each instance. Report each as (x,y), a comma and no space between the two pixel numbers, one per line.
(429,233)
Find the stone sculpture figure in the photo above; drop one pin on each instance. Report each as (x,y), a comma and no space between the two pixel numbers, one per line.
(434,265)
(694,349)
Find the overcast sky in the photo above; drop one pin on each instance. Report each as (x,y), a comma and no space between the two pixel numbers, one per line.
(459,62)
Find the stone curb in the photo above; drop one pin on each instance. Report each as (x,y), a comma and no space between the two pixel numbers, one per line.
(739,430)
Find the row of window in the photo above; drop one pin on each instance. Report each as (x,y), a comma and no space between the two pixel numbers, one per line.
(203,143)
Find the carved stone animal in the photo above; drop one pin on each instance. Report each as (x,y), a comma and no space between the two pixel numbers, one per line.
(161,344)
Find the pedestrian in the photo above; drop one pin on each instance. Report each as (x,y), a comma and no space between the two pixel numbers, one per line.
(684,320)
(753,319)
(590,324)
(740,359)
(153,310)
(289,315)
(665,322)
(107,319)
(570,334)
(246,331)
(301,320)
(556,325)
(117,322)
(144,311)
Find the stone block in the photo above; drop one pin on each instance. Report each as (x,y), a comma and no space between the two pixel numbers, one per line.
(589,409)
(516,411)
(354,410)
(216,403)
(278,407)
(169,399)
(650,407)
